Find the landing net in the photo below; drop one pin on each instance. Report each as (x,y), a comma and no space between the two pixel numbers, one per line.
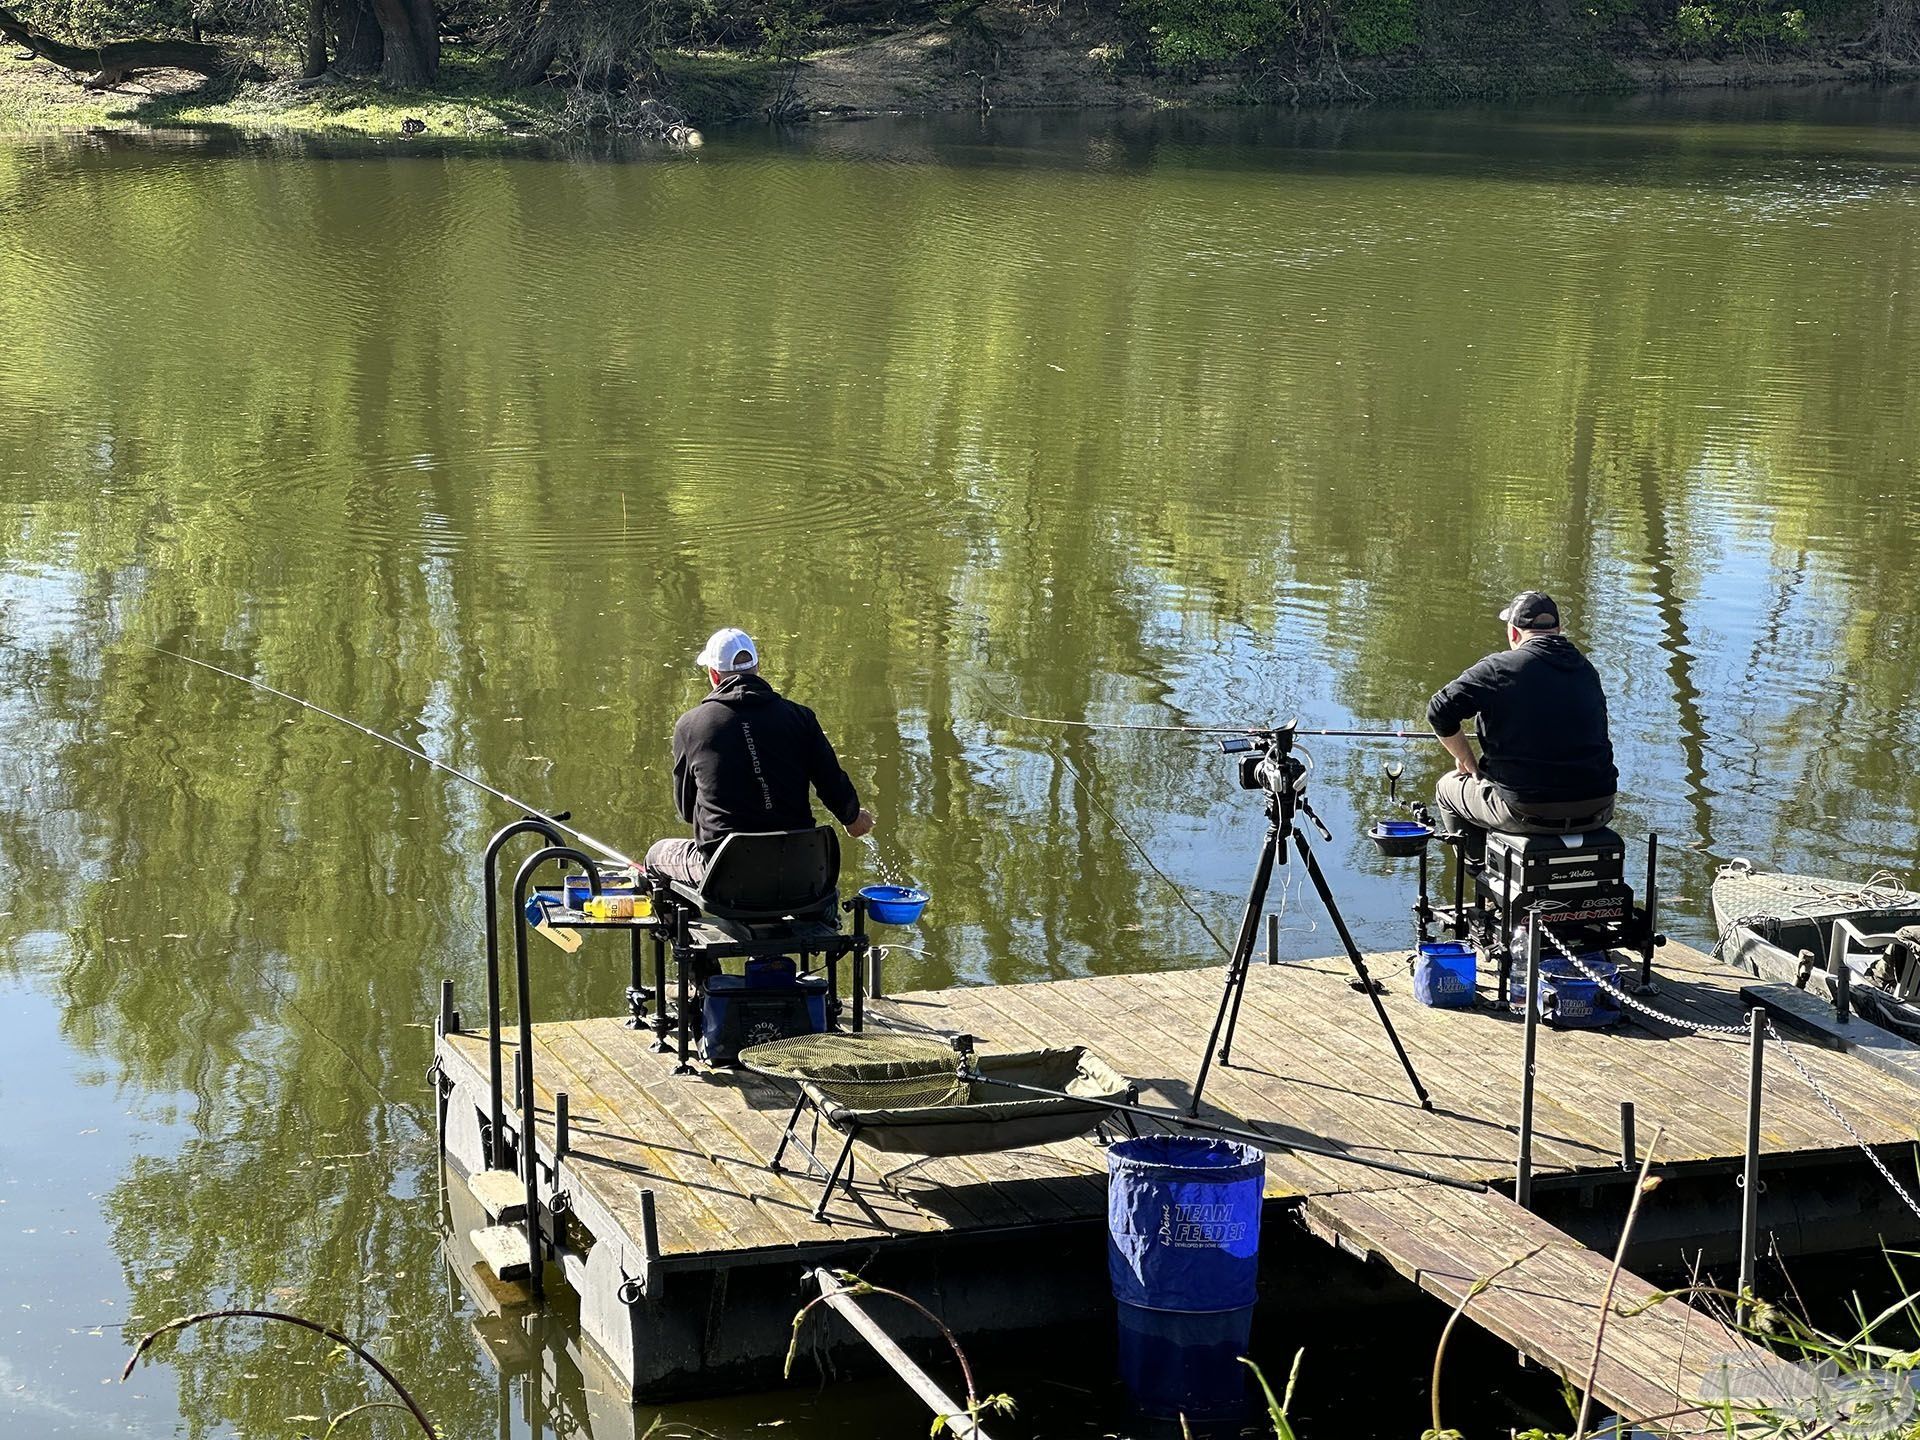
(865,1072)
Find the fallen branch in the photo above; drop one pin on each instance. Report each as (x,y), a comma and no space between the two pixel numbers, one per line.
(334,1335)
(107,65)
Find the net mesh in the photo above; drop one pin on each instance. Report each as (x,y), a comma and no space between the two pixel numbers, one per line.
(1748,896)
(866,1072)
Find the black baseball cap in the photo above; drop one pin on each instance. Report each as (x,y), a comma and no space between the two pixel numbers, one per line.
(1532,610)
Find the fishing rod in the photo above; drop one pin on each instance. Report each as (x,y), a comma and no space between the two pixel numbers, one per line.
(1219,729)
(971,1072)
(406,749)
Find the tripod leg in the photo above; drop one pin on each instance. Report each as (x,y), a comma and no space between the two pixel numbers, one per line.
(1359,965)
(1237,963)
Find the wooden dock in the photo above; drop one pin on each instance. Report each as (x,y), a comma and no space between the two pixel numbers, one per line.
(977,1234)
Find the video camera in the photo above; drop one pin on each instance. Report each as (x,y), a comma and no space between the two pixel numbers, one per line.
(1264,760)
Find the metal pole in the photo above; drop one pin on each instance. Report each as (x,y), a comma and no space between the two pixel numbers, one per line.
(1750,1176)
(1242,952)
(1523,1166)
(874,957)
(1843,993)
(636,984)
(1244,942)
(1629,1154)
(1460,886)
(1273,939)
(561,1126)
(859,965)
(529,1159)
(1652,912)
(1354,958)
(490,885)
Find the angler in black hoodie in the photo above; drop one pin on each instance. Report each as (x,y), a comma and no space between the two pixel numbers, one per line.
(744,759)
(1546,762)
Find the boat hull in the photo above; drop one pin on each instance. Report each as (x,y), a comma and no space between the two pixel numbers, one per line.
(1777,927)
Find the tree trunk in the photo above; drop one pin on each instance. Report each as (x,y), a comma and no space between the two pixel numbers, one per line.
(411,32)
(357,44)
(109,64)
(316,40)
(530,42)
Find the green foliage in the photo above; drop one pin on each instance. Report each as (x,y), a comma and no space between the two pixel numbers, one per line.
(1704,27)
(785,27)
(1186,36)
(1277,1407)
(1379,27)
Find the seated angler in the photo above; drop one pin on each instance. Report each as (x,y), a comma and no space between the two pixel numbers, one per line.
(1546,762)
(743,761)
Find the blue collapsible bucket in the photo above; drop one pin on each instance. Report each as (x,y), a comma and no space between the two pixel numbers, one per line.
(1183,1256)
(1183,1222)
(1178,1364)
(1443,975)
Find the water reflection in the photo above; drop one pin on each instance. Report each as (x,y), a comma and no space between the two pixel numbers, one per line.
(1146,418)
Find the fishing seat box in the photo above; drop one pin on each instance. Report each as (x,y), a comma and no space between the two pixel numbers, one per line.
(1584,873)
(741,1010)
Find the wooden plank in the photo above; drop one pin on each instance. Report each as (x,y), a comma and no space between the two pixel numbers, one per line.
(1233,1103)
(690,1180)
(1548,1304)
(1352,1105)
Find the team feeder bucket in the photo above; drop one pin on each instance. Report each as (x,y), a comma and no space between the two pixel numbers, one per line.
(1183,1255)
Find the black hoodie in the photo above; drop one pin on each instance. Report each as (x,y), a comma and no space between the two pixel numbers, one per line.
(744,757)
(1543,722)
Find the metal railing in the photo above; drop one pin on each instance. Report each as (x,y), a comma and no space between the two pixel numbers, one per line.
(1756,1027)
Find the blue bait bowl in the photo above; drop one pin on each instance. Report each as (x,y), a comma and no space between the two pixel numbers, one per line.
(894,904)
(1400,838)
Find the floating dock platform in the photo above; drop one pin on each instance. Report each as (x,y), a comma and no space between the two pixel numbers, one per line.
(687,1250)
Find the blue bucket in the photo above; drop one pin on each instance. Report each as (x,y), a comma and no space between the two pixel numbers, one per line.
(894,904)
(1177,1364)
(1443,975)
(1400,838)
(1183,1222)
(1569,999)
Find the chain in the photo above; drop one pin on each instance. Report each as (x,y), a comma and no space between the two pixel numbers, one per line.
(1773,1032)
(1698,1026)
(1833,1109)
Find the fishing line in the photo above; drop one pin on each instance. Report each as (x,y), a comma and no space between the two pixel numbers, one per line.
(406,749)
(1094,795)
(1220,729)
(1179,1122)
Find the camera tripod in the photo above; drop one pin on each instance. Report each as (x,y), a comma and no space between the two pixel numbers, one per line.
(1267,763)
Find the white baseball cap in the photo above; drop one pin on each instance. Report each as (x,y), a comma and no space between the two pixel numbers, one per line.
(729,651)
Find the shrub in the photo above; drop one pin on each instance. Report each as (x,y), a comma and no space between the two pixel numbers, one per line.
(1185,36)
(1379,27)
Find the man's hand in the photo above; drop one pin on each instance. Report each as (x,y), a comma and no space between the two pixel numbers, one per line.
(1461,749)
(860,824)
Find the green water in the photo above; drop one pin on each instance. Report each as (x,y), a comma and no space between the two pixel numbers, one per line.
(1149,419)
